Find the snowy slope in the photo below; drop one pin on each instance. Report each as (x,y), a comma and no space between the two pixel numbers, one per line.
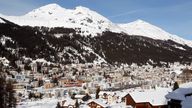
(1,21)
(87,22)
(146,29)
(53,15)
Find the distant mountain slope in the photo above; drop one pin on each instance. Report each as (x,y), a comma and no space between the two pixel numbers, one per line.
(119,48)
(34,42)
(146,29)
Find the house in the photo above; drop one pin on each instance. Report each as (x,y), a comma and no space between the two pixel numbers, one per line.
(147,98)
(34,67)
(186,75)
(48,85)
(98,103)
(19,86)
(68,103)
(70,83)
(110,97)
(20,78)
(180,97)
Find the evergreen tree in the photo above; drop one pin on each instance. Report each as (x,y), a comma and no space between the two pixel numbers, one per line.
(58,105)
(30,95)
(7,99)
(2,92)
(11,100)
(97,92)
(40,83)
(76,104)
(175,86)
(86,97)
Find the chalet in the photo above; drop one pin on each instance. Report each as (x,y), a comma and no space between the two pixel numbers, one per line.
(67,103)
(110,97)
(147,99)
(97,103)
(180,97)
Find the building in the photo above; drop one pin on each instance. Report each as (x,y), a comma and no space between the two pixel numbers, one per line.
(147,98)
(180,97)
(98,103)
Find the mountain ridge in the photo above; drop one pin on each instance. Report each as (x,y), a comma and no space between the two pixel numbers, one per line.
(65,46)
(89,22)
(142,28)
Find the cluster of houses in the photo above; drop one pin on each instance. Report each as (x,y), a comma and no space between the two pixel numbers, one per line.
(126,86)
(137,98)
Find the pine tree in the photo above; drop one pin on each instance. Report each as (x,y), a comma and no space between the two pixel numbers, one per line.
(11,100)
(175,86)
(86,97)
(76,104)
(97,92)
(2,92)
(58,105)
(30,95)
(7,99)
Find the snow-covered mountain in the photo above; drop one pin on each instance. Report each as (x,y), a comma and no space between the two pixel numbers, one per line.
(64,45)
(142,28)
(87,22)
(84,20)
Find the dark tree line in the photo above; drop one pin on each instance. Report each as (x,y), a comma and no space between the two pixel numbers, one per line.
(7,99)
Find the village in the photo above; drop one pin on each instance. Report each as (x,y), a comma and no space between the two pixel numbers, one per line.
(98,85)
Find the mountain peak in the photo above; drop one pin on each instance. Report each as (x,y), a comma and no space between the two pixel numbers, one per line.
(142,28)
(139,21)
(52,5)
(82,8)
(47,9)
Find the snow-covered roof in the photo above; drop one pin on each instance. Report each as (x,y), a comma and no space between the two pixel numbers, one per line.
(179,94)
(69,101)
(101,102)
(187,103)
(154,97)
(175,96)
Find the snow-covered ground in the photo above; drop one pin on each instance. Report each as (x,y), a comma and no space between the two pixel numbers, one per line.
(4,61)
(44,103)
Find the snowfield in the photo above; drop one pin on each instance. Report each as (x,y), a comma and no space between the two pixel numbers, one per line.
(44,103)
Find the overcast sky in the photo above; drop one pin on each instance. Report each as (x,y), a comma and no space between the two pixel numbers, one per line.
(174,16)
